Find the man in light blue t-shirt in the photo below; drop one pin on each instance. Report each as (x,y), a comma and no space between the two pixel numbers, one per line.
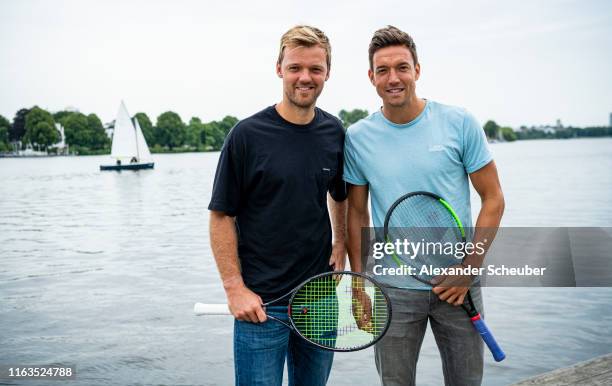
(413,144)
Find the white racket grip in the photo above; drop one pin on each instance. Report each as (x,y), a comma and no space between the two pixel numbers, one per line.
(211,309)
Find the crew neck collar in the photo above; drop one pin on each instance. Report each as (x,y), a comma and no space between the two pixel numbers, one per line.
(408,124)
(295,126)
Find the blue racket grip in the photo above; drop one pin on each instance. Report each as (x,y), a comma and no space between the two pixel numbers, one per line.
(489,339)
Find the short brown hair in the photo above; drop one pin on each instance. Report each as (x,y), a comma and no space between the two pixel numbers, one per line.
(391,36)
(305,36)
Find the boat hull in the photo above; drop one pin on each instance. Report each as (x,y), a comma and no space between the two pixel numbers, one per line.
(148,165)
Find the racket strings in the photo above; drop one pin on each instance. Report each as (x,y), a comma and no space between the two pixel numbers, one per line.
(430,227)
(326,310)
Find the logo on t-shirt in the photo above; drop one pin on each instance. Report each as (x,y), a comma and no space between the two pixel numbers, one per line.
(436,148)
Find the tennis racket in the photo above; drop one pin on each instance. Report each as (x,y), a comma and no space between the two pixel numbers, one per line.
(338,311)
(424,216)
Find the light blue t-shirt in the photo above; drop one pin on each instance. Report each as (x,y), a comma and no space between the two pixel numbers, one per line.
(435,152)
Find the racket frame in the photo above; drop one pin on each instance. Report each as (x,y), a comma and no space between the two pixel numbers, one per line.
(470,309)
(291,295)
(331,273)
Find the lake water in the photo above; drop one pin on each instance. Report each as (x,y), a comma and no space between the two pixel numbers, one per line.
(101,270)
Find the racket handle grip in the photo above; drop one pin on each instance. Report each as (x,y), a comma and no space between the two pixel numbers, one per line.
(211,309)
(489,339)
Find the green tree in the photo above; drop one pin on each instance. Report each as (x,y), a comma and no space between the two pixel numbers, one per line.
(195,135)
(216,131)
(147,127)
(491,129)
(76,129)
(5,126)
(170,130)
(40,128)
(97,136)
(531,133)
(18,130)
(508,134)
(227,123)
(60,116)
(203,137)
(350,117)
(85,131)
(214,135)
(597,131)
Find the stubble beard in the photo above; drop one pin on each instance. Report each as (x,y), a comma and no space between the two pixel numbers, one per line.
(406,101)
(305,105)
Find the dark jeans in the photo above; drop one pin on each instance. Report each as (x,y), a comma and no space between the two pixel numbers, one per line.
(460,345)
(260,350)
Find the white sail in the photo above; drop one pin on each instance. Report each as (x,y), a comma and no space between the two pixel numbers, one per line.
(129,148)
(124,136)
(141,143)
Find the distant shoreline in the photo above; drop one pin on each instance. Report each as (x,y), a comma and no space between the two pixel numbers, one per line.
(177,151)
(97,155)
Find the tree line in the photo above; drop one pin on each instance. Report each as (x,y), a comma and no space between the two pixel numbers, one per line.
(494,131)
(170,133)
(85,134)
(36,126)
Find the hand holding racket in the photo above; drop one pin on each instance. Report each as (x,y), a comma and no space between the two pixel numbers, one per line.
(452,288)
(338,311)
(426,216)
(361,305)
(245,304)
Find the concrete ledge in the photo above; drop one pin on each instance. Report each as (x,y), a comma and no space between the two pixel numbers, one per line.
(594,372)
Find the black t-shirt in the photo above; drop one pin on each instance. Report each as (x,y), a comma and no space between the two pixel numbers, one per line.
(273,176)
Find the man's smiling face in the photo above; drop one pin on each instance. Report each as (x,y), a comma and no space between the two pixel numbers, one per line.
(304,72)
(394,75)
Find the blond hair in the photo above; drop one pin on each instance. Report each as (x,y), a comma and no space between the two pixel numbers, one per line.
(305,36)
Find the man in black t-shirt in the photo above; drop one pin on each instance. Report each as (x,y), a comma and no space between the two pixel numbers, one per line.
(269,224)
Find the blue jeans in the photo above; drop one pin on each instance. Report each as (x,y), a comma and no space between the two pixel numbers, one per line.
(260,350)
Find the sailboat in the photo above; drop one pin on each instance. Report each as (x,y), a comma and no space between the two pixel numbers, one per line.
(129,149)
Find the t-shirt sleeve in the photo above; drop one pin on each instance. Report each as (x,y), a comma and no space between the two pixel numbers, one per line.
(228,178)
(337,188)
(476,153)
(352,172)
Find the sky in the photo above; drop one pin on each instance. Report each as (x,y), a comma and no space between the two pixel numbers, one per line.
(518,63)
